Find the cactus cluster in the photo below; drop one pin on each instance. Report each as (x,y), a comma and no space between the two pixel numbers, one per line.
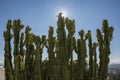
(28,49)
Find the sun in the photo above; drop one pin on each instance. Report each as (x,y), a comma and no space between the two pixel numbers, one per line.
(64,13)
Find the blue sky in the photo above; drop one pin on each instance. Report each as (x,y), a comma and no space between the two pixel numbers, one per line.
(40,14)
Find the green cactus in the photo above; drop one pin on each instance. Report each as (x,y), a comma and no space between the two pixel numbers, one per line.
(39,43)
(62,55)
(104,49)
(31,64)
(57,58)
(51,54)
(70,25)
(38,53)
(95,61)
(17,26)
(80,49)
(21,58)
(100,42)
(28,63)
(91,64)
(28,50)
(7,54)
(22,51)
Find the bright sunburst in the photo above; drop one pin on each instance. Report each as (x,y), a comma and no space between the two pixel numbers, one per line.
(64,13)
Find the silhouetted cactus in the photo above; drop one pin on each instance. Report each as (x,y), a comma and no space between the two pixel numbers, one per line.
(7,54)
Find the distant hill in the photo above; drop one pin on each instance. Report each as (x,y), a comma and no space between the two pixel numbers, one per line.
(114,71)
(114,67)
(1,64)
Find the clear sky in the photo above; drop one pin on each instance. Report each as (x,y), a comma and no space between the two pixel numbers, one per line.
(40,14)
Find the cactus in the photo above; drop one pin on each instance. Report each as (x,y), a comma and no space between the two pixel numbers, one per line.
(7,55)
(37,42)
(31,59)
(57,58)
(70,25)
(17,26)
(51,53)
(62,55)
(104,49)
(91,66)
(28,63)
(81,51)
(95,61)
(100,42)
(22,51)
(21,58)
(28,50)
